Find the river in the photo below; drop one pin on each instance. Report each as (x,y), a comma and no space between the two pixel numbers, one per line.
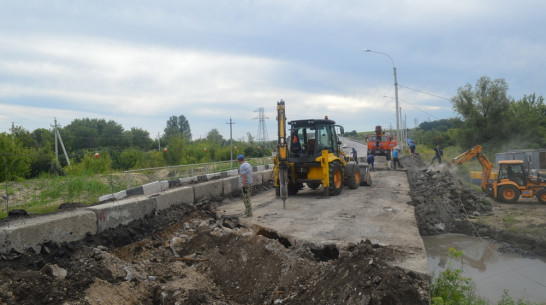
(492,271)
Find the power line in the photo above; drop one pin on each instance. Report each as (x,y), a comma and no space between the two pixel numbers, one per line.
(427,93)
(403,100)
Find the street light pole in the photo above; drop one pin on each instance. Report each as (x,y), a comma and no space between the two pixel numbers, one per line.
(395,94)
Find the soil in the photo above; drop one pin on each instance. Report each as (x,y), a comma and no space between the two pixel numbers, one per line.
(187,256)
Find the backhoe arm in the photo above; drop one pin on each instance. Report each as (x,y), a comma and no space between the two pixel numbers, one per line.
(476,152)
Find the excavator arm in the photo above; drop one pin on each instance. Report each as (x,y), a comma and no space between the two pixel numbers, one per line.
(476,152)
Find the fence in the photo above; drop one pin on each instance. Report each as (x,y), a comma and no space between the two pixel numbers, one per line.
(146,175)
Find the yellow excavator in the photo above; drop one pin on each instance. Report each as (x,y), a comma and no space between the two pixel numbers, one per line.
(512,181)
(311,154)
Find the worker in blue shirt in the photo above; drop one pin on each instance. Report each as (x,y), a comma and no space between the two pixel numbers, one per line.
(371,160)
(395,159)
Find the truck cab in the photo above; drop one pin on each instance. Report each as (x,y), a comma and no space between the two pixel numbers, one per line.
(381,143)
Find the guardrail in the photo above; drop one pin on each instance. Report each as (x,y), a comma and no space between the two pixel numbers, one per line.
(142,176)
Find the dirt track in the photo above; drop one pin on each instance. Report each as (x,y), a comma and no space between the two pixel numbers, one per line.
(185,256)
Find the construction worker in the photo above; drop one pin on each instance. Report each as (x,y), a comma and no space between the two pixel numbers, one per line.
(395,159)
(355,156)
(245,171)
(439,154)
(371,161)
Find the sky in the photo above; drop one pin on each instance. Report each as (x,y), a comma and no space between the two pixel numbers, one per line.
(141,62)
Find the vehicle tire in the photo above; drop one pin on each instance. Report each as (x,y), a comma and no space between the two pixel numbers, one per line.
(352,176)
(336,178)
(313,185)
(508,194)
(366,178)
(541,196)
(293,188)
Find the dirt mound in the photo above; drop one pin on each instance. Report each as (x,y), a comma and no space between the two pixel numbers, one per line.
(441,201)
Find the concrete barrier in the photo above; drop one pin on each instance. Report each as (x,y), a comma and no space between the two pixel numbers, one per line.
(207,190)
(113,214)
(181,195)
(231,186)
(31,233)
(61,227)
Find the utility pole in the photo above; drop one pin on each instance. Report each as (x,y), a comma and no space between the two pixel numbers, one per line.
(230,143)
(58,138)
(158,142)
(56,145)
(13,133)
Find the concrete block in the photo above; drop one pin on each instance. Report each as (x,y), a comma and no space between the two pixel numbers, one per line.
(116,196)
(61,227)
(187,180)
(136,191)
(113,214)
(207,190)
(180,195)
(267,175)
(210,176)
(106,197)
(233,172)
(260,168)
(152,188)
(174,183)
(257,178)
(164,185)
(231,186)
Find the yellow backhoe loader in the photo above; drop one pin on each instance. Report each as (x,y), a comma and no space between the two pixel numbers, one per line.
(512,181)
(311,154)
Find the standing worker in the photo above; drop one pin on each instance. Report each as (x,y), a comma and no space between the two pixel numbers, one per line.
(439,154)
(371,160)
(354,156)
(395,159)
(245,171)
(412,148)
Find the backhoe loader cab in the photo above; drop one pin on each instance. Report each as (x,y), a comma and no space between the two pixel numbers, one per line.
(512,170)
(308,138)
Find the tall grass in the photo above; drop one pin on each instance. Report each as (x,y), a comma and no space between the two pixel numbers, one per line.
(46,193)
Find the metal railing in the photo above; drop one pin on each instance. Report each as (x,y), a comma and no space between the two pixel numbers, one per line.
(146,175)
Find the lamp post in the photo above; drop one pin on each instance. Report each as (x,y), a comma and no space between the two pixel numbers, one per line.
(395,94)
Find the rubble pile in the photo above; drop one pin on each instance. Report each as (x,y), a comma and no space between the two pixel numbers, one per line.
(442,202)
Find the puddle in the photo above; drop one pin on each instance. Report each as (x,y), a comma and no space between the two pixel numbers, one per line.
(491,270)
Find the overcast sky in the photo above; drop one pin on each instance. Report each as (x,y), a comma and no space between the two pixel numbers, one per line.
(140,62)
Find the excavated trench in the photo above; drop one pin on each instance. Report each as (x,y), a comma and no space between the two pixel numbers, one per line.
(187,256)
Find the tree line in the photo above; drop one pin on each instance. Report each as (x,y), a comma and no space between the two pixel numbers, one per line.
(27,154)
(489,117)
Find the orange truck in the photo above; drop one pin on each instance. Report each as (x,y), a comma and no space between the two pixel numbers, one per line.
(381,143)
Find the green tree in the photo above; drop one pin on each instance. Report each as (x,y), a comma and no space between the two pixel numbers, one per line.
(14,157)
(139,138)
(484,110)
(527,121)
(215,137)
(177,126)
(175,150)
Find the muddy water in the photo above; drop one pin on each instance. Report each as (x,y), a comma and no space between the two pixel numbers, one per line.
(491,270)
